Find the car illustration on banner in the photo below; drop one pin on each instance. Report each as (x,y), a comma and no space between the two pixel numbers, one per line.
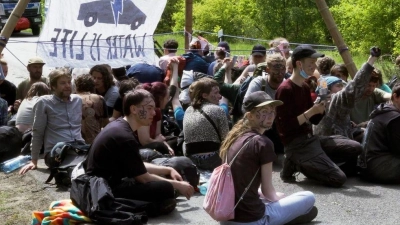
(111,12)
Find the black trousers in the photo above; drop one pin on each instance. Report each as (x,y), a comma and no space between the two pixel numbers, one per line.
(383,169)
(311,155)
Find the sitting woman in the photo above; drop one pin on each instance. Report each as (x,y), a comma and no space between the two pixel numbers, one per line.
(380,160)
(150,136)
(25,113)
(205,124)
(124,86)
(105,86)
(252,154)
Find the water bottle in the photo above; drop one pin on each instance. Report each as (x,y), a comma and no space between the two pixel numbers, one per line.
(15,163)
(203,188)
(323,90)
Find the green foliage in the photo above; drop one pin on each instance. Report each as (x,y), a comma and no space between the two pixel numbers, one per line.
(364,23)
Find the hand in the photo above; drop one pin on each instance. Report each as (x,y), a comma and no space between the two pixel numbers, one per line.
(375,51)
(171,151)
(159,138)
(185,189)
(319,108)
(227,63)
(175,175)
(26,168)
(280,195)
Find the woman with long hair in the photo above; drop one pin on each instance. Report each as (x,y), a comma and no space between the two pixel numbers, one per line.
(24,119)
(150,136)
(255,160)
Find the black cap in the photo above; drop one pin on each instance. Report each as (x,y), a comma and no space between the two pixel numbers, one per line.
(258,99)
(259,50)
(225,45)
(305,51)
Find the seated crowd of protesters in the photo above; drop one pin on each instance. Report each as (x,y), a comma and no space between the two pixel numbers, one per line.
(270,106)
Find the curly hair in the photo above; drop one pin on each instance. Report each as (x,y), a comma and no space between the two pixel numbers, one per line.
(157,89)
(37,89)
(105,72)
(84,83)
(200,87)
(325,64)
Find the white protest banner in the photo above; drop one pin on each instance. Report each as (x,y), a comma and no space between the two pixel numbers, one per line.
(83,33)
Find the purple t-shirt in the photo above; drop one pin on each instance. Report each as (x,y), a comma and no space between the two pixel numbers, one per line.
(258,152)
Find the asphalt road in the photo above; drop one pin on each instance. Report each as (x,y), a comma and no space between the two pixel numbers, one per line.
(357,202)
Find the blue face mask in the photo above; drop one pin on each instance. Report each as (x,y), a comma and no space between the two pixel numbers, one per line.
(303,74)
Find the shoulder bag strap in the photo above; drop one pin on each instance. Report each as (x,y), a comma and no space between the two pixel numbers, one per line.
(246,189)
(226,159)
(212,123)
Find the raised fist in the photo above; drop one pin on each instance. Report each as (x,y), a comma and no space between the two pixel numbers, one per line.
(375,51)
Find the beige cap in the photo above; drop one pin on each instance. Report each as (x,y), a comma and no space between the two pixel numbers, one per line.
(36,60)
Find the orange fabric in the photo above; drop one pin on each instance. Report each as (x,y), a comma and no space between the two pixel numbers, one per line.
(181,66)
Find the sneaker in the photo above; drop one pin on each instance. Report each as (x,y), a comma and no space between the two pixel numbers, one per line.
(161,208)
(287,173)
(306,218)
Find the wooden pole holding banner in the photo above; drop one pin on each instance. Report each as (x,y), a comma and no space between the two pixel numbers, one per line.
(12,22)
(188,22)
(337,37)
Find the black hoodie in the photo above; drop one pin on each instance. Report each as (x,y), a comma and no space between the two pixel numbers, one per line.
(383,137)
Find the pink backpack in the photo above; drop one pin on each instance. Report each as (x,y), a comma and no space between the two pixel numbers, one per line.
(219,201)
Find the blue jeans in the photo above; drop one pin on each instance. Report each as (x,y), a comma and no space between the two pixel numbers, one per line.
(284,210)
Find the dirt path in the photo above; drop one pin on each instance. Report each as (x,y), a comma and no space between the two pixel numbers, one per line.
(19,197)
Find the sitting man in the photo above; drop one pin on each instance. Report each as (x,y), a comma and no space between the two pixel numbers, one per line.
(372,96)
(115,157)
(380,159)
(8,91)
(57,117)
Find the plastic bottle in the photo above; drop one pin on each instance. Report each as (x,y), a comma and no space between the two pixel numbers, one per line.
(203,188)
(15,163)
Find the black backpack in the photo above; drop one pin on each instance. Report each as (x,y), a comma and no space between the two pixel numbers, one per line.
(184,166)
(62,160)
(10,143)
(237,106)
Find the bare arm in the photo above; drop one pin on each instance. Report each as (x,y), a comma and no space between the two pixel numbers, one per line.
(267,188)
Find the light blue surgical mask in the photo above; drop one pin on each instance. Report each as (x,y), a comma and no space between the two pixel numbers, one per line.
(303,74)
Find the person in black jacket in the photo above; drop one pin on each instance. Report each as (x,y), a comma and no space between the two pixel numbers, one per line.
(380,159)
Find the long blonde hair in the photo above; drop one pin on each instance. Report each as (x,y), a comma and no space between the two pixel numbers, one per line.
(241,127)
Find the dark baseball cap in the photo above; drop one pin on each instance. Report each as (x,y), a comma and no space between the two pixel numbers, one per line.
(225,45)
(305,51)
(259,99)
(259,50)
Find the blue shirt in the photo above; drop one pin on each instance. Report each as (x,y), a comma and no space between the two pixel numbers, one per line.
(55,121)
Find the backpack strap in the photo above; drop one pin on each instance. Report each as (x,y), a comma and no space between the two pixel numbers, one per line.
(263,84)
(226,158)
(246,189)
(212,123)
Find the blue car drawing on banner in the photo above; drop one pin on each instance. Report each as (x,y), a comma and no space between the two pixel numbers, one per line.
(111,12)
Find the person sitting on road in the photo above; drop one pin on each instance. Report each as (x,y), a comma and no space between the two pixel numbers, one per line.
(57,117)
(25,115)
(94,108)
(372,96)
(340,71)
(104,85)
(150,136)
(124,87)
(380,160)
(258,55)
(342,101)
(114,156)
(324,65)
(8,91)
(253,154)
(205,124)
